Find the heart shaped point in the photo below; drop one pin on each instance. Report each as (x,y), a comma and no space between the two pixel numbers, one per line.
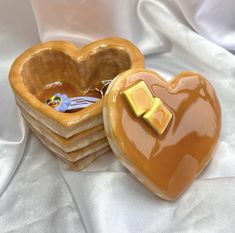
(165,163)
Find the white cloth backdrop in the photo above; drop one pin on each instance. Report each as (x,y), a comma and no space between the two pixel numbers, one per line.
(39,195)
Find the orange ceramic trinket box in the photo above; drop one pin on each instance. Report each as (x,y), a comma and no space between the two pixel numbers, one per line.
(53,67)
(164,133)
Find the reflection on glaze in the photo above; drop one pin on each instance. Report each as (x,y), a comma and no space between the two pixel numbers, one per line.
(158,117)
(139,98)
(143,104)
(172,160)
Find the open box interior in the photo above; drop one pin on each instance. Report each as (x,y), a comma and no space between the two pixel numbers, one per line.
(49,72)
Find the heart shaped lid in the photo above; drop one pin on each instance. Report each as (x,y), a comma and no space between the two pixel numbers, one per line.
(163,132)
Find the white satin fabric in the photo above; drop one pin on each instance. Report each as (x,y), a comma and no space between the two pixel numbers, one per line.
(174,35)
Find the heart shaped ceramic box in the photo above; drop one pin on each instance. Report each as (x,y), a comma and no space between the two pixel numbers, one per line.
(165,163)
(59,66)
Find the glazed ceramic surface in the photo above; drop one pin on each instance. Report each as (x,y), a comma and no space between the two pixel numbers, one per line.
(84,162)
(73,143)
(167,164)
(60,67)
(79,164)
(74,155)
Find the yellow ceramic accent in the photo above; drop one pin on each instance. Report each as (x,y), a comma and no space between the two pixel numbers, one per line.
(158,117)
(139,98)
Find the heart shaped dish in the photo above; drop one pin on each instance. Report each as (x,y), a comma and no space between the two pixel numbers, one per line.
(60,67)
(164,132)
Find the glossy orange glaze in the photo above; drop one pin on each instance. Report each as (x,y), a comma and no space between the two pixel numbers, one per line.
(170,161)
(62,61)
(158,117)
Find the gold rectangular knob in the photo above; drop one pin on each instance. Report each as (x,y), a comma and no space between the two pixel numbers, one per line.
(139,98)
(158,117)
